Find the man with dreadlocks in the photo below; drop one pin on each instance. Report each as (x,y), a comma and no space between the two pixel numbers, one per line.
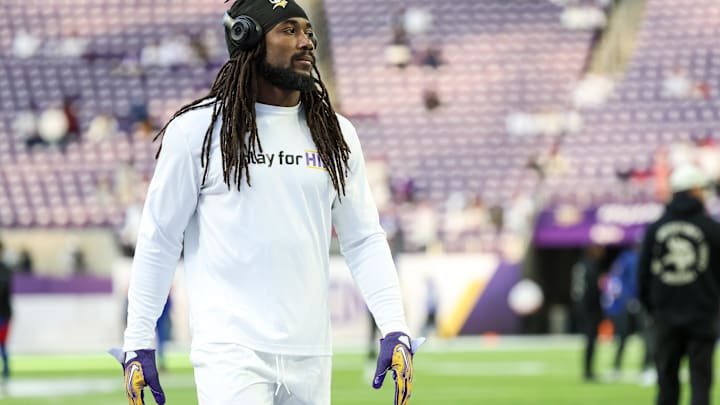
(249,181)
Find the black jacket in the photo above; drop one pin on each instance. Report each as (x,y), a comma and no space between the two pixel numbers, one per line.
(5,291)
(585,291)
(679,267)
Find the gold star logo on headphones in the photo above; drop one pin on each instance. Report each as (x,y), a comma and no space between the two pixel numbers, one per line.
(278,3)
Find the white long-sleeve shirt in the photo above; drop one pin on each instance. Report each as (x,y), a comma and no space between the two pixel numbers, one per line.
(257,259)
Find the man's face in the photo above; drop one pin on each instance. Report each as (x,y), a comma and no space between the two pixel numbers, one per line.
(290,55)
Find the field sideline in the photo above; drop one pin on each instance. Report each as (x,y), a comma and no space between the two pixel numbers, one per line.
(473,371)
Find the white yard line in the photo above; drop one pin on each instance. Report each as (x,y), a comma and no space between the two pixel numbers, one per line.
(46,387)
(487,369)
(499,343)
(459,368)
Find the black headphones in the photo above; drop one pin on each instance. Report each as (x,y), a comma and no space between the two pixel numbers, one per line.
(243,31)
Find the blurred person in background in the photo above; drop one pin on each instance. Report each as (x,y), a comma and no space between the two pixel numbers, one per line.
(422,235)
(430,57)
(52,127)
(59,125)
(25,45)
(679,285)
(73,129)
(620,300)
(249,181)
(431,306)
(163,331)
(103,126)
(25,127)
(5,311)
(585,293)
(73,45)
(398,52)
(138,113)
(431,99)
(200,48)
(150,54)
(78,263)
(25,262)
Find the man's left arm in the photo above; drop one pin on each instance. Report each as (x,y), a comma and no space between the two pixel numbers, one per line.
(644,275)
(364,245)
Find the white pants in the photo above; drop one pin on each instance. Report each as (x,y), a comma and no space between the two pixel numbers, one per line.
(229,374)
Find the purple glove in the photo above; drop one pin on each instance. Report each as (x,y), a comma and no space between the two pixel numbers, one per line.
(396,354)
(140,371)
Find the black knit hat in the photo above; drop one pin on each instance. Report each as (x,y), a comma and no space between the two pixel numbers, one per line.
(267,13)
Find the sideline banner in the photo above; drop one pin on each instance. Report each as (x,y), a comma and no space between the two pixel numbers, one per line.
(467,292)
(608,224)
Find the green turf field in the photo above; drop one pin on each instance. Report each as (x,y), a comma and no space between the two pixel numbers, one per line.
(475,372)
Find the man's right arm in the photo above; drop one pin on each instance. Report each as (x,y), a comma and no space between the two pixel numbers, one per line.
(170,202)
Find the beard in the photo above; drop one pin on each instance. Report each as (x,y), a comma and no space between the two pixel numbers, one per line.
(285,78)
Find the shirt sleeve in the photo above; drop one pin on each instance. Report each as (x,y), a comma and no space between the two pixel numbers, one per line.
(170,202)
(644,275)
(364,245)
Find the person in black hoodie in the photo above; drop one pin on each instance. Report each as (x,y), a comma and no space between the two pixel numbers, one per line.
(5,311)
(679,285)
(585,293)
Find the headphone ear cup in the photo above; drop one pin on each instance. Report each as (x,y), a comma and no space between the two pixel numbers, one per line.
(243,31)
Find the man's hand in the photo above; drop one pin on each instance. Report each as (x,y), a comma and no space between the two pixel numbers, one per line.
(396,354)
(140,371)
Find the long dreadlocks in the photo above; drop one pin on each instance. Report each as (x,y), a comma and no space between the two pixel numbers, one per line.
(233,95)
